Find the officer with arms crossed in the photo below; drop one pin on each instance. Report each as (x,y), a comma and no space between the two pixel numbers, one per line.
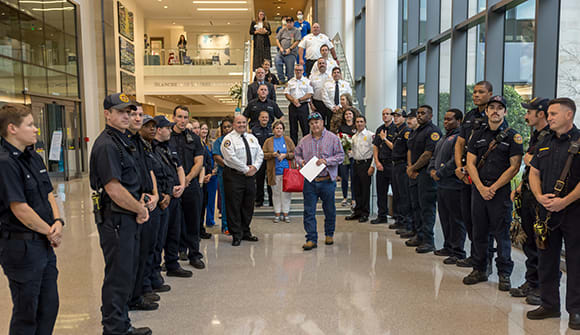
(119,208)
(30,226)
(243,157)
(493,159)
(554,180)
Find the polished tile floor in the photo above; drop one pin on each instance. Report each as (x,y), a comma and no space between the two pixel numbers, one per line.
(368,282)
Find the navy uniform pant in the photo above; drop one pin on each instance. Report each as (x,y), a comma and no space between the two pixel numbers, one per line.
(298,116)
(152,278)
(30,266)
(492,217)
(174,224)
(451,221)
(191,202)
(549,262)
(119,237)
(147,240)
(427,196)
(362,187)
(260,179)
(401,199)
(466,211)
(528,218)
(383,179)
(241,192)
(414,199)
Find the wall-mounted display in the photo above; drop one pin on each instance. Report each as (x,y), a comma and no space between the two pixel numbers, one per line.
(126,26)
(215,47)
(127,55)
(128,84)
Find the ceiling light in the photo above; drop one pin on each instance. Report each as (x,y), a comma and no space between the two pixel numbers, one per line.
(277,13)
(229,23)
(219,2)
(173,22)
(222,9)
(51,9)
(278,7)
(235,73)
(43,2)
(165,7)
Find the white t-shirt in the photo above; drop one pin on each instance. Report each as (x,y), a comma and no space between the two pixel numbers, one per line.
(312,45)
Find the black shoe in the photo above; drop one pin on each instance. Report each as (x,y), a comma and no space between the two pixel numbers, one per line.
(396,225)
(401,231)
(414,242)
(144,306)
(504,283)
(363,219)
(475,277)
(139,331)
(162,288)
(182,273)
(151,296)
(205,236)
(183,256)
(542,313)
(409,234)
(352,217)
(522,291)
(236,242)
(442,252)
(258,204)
(450,260)
(197,263)
(533,298)
(379,220)
(574,322)
(424,248)
(250,238)
(465,263)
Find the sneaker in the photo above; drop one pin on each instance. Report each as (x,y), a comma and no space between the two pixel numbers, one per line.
(343,203)
(504,283)
(329,240)
(309,245)
(521,291)
(475,277)
(465,263)
(287,219)
(276,219)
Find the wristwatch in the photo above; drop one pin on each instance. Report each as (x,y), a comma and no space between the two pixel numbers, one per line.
(58,220)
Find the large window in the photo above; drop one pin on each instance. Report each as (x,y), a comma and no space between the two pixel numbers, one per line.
(475,60)
(569,53)
(404,30)
(421,82)
(404,86)
(445,15)
(444,79)
(422,21)
(476,6)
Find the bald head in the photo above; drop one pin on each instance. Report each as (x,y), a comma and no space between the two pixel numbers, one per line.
(240,123)
(387,115)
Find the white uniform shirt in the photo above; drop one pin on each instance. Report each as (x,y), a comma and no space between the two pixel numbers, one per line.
(234,151)
(298,88)
(311,44)
(362,145)
(328,92)
(317,82)
(330,65)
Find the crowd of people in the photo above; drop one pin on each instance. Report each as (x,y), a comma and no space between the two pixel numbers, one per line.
(155,180)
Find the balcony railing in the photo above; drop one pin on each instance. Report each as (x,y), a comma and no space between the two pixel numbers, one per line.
(189,57)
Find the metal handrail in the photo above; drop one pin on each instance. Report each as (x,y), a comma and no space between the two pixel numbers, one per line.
(247,72)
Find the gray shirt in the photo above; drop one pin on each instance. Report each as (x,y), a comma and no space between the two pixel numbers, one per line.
(287,37)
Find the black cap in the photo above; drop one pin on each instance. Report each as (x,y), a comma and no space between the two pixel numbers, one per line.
(413,113)
(119,101)
(400,111)
(162,121)
(537,103)
(315,116)
(498,98)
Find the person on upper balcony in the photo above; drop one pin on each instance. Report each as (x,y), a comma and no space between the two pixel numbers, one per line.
(182,46)
(260,29)
(309,48)
(252,92)
(287,40)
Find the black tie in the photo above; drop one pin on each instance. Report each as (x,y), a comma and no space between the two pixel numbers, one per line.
(248,153)
(336,94)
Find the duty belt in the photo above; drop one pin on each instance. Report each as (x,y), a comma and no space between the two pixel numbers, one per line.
(7,235)
(363,161)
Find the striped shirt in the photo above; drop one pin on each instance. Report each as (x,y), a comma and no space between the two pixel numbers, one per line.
(328,147)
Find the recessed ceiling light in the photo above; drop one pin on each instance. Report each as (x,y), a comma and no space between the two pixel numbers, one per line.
(173,22)
(222,9)
(278,7)
(229,23)
(165,7)
(277,13)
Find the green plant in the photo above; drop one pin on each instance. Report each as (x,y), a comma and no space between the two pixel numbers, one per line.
(236,93)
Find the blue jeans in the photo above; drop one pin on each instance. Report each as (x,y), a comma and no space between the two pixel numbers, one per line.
(312,192)
(289,61)
(346,174)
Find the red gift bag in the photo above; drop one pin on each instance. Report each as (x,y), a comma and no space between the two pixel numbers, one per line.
(292,180)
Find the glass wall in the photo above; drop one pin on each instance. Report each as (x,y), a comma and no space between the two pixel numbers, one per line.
(569,53)
(445,15)
(444,79)
(475,61)
(404,28)
(421,82)
(475,6)
(422,21)
(404,85)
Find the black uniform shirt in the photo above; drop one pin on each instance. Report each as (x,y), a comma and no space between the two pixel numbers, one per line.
(170,161)
(385,154)
(262,133)
(535,137)
(424,138)
(346,129)
(144,162)
(23,178)
(113,157)
(472,121)
(551,155)
(256,106)
(499,159)
(164,182)
(400,139)
(188,146)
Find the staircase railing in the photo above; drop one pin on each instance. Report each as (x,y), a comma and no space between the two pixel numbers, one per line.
(247,72)
(346,73)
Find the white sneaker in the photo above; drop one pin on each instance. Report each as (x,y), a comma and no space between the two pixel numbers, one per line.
(344,203)
(353,204)
(276,219)
(287,219)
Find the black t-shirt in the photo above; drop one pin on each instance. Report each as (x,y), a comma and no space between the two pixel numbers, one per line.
(262,133)
(385,154)
(498,160)
(400,139)
(423,139)
(346,129)
(23,178)
(256,106)
(188,146)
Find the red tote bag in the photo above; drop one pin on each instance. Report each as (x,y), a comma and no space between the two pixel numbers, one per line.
(292,180)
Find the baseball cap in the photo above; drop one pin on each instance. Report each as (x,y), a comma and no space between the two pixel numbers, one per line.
(315,116)
(148,118)
(400,111)
(118,101)
(537,103)
(413,113)
(498,98)
(162,121)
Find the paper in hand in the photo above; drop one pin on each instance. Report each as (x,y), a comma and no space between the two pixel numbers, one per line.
(311,170)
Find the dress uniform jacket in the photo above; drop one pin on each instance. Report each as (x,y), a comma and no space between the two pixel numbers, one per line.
(298,88)
(234,151)
(329,92)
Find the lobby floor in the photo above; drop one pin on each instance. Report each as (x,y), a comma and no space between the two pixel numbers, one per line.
(368,282)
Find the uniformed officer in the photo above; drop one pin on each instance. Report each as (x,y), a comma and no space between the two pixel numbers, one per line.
(400,180)
(535,117)
(190,152)
(473,120)
(262,131)
(262,103)
(30,225)
(298,92)
(317,81)
(362,154)
(173,216)
(119,209)
(333,89)
(243,157)
(382,153)
(421,144)
(493,159)
(558,191)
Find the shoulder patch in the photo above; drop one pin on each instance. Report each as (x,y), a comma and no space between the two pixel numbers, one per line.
(227,143)
(542,149)
(407,133)
(435,136)
(518,139)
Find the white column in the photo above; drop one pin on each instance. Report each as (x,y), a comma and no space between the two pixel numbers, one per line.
(347,33)
(381,59)
(332,22)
